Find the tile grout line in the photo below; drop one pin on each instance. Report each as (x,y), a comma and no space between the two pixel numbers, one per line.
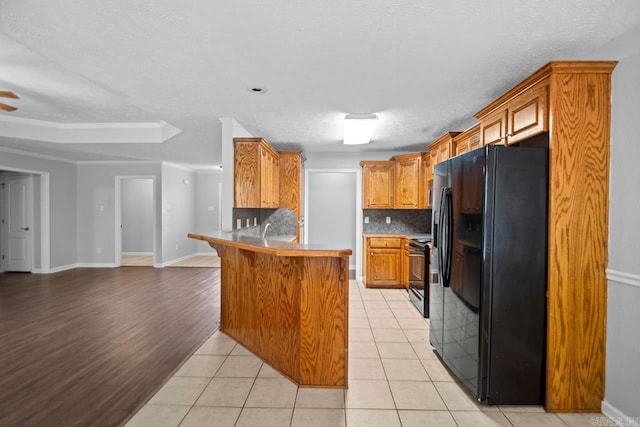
(210,379)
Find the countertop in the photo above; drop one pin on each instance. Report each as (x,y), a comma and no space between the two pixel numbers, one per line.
(396,234)
(271,245)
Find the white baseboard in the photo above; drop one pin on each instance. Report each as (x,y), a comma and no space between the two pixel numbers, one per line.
(59,269)
(137,253)
(619,417)
(206,254)
(96,265)
(173,261)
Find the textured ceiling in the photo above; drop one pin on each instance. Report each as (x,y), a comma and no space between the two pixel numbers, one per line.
(423,66)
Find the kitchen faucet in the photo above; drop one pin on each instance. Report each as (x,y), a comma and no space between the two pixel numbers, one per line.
(266,227)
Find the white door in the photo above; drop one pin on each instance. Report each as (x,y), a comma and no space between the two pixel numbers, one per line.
(17,222)
(331,211)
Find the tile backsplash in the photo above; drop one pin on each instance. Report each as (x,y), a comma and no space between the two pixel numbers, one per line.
(283,221)
(403,221)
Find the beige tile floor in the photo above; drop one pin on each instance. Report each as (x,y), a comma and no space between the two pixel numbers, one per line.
(395,379)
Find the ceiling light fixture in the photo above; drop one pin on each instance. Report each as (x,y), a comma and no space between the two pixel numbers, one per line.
(257,90)
(358,128)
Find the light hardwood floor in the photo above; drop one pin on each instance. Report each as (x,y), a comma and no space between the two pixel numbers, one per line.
(89,346)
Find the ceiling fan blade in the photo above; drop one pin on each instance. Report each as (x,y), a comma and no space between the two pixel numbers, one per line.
(6,107)
(8,94)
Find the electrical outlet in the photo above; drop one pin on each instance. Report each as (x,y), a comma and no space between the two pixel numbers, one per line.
(255,221)
(176,246)
(98,250)
(247,222)
(388,220)
(238,224)
(366,220)
(210,208)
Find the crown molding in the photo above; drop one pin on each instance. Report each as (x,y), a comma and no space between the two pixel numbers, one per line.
(36,155)
(623,277)
(213,170)
(87,133)
(178,166)
(118,162)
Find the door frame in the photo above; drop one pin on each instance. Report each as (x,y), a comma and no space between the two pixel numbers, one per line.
(118,217)
(45,221)
(358,205)
(28,179)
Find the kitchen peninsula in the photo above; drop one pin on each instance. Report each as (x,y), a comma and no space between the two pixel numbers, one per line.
(287,303)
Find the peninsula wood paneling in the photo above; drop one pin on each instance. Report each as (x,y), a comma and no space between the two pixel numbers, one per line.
(578,221)
(291,311)
(326,323)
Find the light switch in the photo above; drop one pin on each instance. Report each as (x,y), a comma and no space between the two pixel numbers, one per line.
(366,220)
(255,221)
(247,222)
(388,220)
(238,223)
(210,208)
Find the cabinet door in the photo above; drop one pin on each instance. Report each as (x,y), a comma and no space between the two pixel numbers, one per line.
(528,114)
(404,267)
(247,176)
(275,182)
(266,178)
(291,179)
(407,183)
(378,186)
(493,127)
(427,179)
(461,146)
(475,142)
(443,153)
(433,161)
(384,267)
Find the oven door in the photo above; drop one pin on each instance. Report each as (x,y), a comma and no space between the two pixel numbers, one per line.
(418,294)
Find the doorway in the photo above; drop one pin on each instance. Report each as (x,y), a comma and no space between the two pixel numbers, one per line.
(333,203)
(16,223)
(135,223)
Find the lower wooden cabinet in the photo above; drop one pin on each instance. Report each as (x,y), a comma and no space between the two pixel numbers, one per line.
(385,262)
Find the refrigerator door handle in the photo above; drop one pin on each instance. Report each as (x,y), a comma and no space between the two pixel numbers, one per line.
(445,249)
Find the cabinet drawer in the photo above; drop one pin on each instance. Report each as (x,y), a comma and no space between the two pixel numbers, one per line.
(384,242)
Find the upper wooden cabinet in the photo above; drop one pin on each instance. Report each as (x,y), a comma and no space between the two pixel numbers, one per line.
(256,174)
(441,149)
(409,186)
(399,183)
(427,179)
(519,118)
(468,140)
(378,178)
(292,185)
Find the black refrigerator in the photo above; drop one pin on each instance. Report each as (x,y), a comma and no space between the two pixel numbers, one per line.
(488,305)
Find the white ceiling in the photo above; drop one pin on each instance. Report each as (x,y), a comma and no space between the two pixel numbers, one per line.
(425,67)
